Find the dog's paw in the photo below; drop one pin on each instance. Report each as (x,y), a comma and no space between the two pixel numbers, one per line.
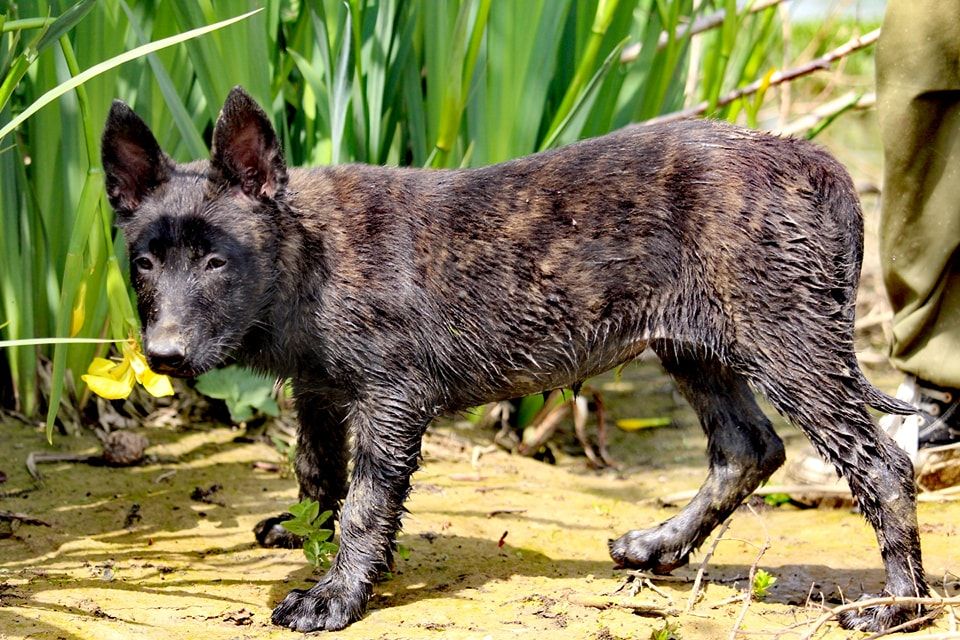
(270,533)
(877,619)
(649,550)
(329,605)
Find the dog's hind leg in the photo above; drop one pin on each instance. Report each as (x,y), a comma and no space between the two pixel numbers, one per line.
(321,466)
(743,448)
(822,397)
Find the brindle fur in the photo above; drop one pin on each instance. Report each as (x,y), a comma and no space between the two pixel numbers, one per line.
(392,296)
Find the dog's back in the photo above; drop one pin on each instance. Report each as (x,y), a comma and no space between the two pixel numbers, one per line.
(537,273)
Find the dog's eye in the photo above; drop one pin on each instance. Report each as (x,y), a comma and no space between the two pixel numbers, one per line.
(144,263)
(215,262)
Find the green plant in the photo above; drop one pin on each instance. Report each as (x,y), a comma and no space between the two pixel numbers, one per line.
(244,391)
(306,522)
(777,499)
(667,632)
(762,581)
(60,254)
(289,452)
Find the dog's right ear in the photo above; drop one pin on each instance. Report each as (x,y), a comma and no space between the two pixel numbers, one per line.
(133,163)
(246,153)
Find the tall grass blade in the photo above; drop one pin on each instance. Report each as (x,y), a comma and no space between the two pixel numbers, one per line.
(340,92)
(196,147)
(585,97)
(116,61)
(66,21)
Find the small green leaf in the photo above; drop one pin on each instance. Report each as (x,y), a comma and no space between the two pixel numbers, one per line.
(321,535)
(312,511)
(762,581)
(296,527)
(306,523)
(667,632)
(244,391)
(777,499)
(311,549)
(303,507)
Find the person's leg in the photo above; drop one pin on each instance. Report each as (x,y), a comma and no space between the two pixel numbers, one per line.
(918,103)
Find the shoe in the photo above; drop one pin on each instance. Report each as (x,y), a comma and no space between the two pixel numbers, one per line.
(942,408)
(936,423)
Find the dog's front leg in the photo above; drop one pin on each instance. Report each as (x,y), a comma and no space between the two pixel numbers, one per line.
(386,449)
(321,462)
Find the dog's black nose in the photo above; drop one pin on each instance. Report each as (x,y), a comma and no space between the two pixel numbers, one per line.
(166,356)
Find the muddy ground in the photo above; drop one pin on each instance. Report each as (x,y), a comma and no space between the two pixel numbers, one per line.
(500,547)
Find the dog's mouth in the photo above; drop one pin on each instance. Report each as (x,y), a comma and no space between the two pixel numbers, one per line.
(175,370)
(179,358)
(176,365)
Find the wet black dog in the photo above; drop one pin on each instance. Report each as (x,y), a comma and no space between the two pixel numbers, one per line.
(391,296)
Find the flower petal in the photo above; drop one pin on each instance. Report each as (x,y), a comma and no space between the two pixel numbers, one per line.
(101,367)
(156,385)
(138,362)
(117,384)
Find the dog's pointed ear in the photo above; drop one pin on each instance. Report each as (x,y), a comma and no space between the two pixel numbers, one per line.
(132,160)
(246,152)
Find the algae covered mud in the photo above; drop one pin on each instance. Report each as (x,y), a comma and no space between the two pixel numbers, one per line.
(499,546)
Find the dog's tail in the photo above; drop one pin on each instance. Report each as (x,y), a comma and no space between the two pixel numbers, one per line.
(840,201)
(881,401)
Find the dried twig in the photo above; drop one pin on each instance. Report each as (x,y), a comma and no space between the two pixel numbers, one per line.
(35,457)
(580,413)
(23,518)
(599,457)
(646,582)
(120,449)
(504,512)
(644,575)
(601,414)
(641,607)
(828,111)
(695,591)
(748,596)
(16,493)
(716,604)
(544,430)
(777,78)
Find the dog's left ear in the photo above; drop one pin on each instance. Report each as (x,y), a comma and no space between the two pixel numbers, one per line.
(246,152)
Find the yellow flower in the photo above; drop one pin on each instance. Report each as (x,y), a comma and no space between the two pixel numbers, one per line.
(115,380)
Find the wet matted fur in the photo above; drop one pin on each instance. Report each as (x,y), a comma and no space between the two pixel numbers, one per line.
(391,296)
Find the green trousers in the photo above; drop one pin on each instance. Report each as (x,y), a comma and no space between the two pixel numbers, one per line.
(918,103)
